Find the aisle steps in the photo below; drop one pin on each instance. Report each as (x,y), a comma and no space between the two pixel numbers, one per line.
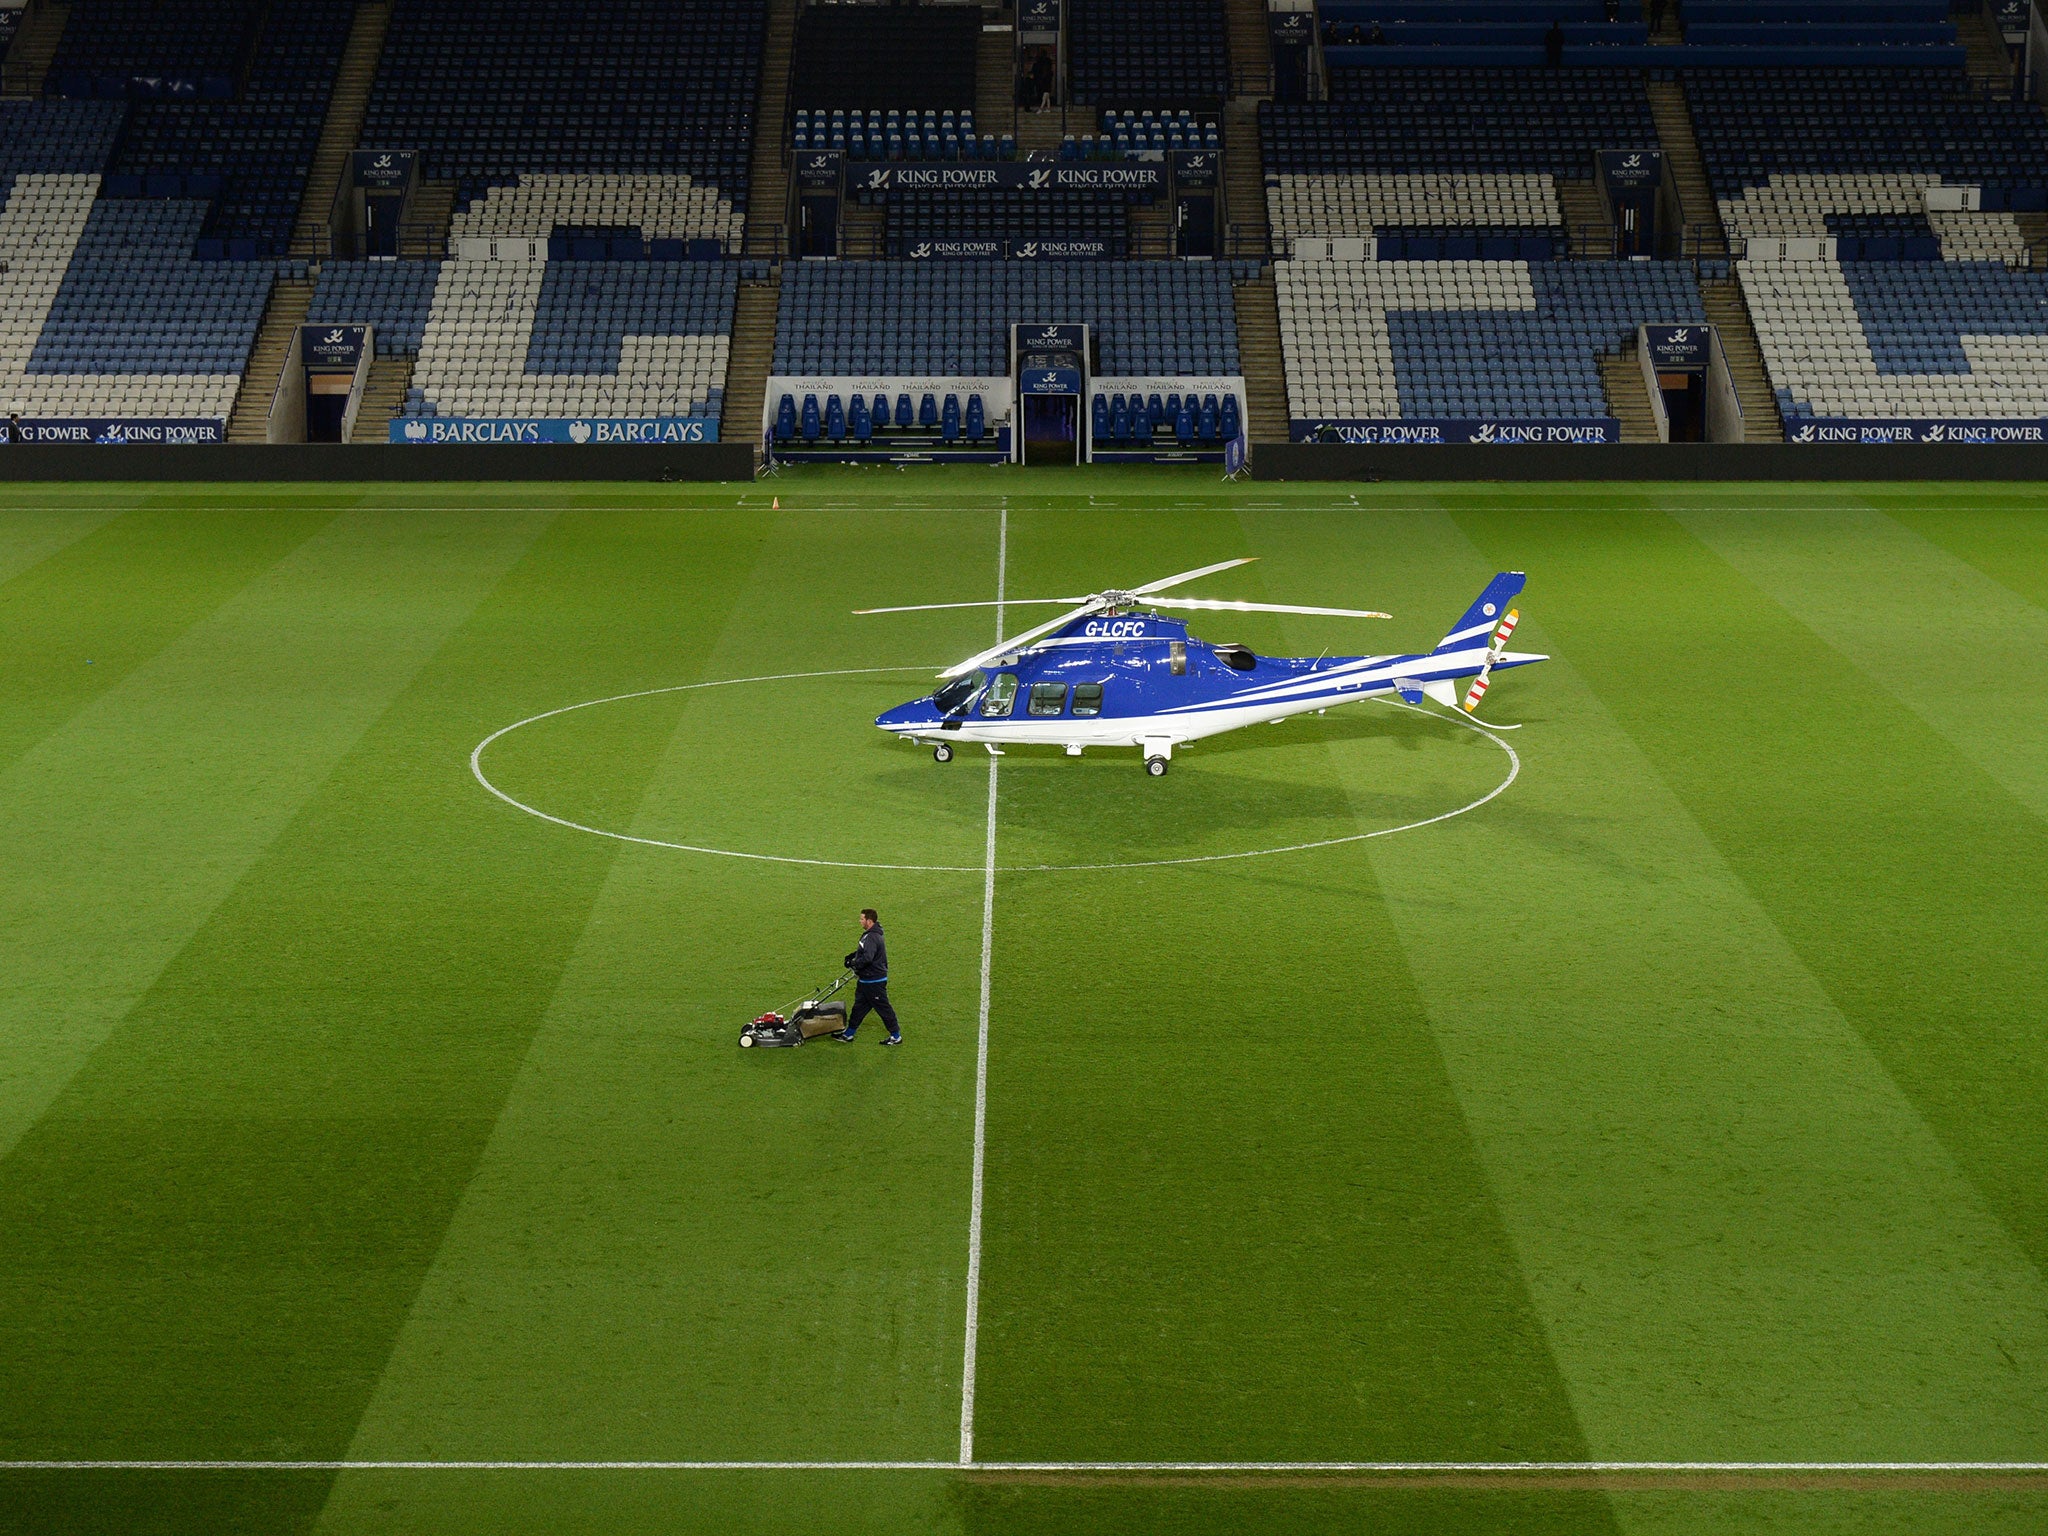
(34,46)
(1730,315)
(1259,356)
(1628,397)
(249,422)
(342,132)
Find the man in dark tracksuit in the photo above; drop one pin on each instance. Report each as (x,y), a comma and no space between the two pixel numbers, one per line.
(869,963)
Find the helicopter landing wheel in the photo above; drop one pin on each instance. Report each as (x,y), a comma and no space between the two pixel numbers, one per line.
(1156,766)
(942,753)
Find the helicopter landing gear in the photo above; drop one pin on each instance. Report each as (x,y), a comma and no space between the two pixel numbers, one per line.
(1156,766)
(942,753)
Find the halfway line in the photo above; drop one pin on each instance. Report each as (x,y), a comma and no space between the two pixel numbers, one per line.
(988,934)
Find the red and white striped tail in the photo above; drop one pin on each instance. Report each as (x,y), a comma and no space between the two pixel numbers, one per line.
(1494,648)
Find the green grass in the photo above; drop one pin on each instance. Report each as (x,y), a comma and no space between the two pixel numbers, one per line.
(1688,1102)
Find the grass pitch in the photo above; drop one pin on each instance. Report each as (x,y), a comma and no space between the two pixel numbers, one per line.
(1683,1104)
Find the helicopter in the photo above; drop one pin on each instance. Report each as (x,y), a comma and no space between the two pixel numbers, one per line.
(1111,671)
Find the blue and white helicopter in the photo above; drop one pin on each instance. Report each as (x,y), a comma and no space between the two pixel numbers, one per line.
(1111,672)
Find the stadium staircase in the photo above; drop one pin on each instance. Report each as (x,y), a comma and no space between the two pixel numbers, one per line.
(995,97)
(1668,31)
(1628,398)
(250,420)
(34,46)
(767,167)
(748,364)
(423,226)
(1258,351)
(1251,48)
(1984,50)
(343,130)
(2034,229)
(1588,221)
(383,399)
(1697,208)
(766,236)
(1727,312)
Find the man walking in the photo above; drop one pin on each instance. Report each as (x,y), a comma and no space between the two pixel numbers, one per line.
(869,963)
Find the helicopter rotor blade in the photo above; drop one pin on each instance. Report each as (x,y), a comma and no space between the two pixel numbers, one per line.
(1231,605)
(1174,581)
(1018,642)
(1008,602)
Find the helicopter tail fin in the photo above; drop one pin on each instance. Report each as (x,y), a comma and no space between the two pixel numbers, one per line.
(1485,611)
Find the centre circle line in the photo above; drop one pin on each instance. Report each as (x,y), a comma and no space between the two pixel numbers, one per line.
(477,769)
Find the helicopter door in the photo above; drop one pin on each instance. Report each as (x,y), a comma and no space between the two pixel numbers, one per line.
(1001,696)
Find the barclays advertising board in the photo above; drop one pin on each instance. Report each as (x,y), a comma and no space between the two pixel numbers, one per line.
(1375,434)
(113,433)
(431,430)
(970,176)
(1841,430)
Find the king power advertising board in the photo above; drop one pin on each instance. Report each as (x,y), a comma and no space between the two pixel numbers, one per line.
(1589,429)
(1907,430)
(113,432)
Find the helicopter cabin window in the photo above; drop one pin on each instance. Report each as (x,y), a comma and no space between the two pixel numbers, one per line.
(1237,657)
(1001,697)
(1048,698)
(1087,699)
(952,699)
(1177,657)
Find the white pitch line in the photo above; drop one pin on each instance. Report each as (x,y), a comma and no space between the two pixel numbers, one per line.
(1533,1468)
(988,936)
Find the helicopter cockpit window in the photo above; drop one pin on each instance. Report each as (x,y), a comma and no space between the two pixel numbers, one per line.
(1048,698)
(952,699)
(1001,696)
(1177,657)
(1087,699)
(1236,656)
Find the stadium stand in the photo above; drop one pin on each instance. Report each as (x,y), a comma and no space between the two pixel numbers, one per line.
(630,88)
(558,338)
(1867,340)
(916,218)
(1149,53)
(1786,150)
(643,207)
(883,57)
(256,149)
(394,297)
(115,47)
(1450,339)
(104,312)
(953,317)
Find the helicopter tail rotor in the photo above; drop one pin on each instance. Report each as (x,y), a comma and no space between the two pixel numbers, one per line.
(1496,648)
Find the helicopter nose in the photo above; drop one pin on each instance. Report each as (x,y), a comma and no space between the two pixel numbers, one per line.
(904,716)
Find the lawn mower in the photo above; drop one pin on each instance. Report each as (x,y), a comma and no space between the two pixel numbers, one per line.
(816,1015)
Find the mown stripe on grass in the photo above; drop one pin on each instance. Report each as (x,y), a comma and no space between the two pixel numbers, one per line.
(2005,537)
(1233,1208)
(211,1241)
(120,831)
(77,624)
(1746,862)
(1957,648)
(30,535)
(676,1248)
